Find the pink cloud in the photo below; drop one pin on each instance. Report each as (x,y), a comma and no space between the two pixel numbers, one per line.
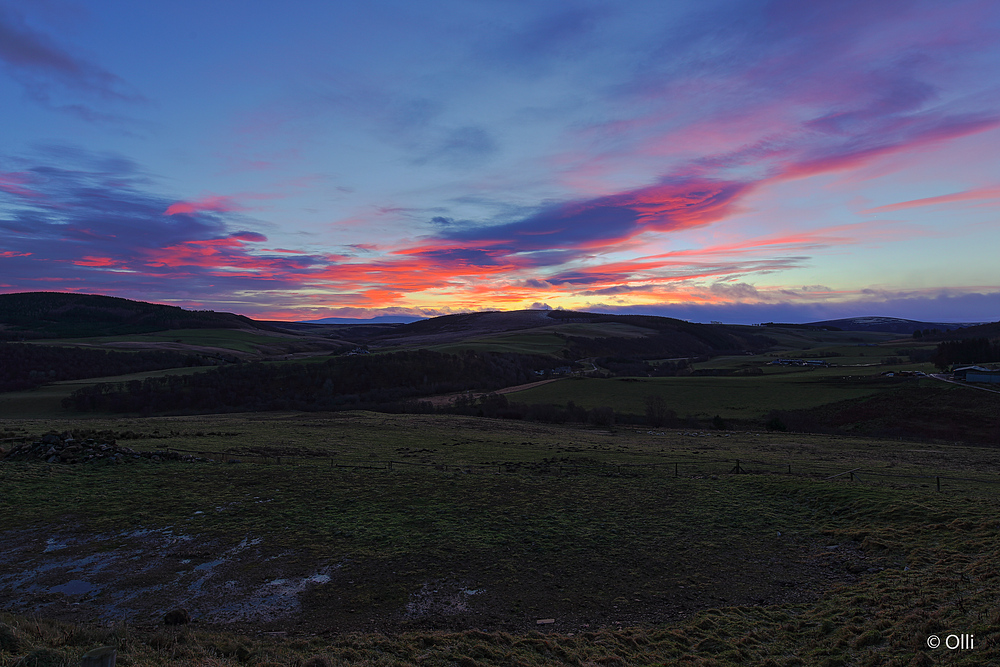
(15,183)
(977,194)
(214,203)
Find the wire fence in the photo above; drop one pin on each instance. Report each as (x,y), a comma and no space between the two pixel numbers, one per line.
(678,468)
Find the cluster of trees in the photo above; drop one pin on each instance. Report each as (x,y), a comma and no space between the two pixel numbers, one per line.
(497,406)
(371,381)
(24,365)
(968,351)
(630,366)
(920,333)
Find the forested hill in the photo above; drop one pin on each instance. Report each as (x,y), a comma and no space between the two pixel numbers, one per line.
(34,315)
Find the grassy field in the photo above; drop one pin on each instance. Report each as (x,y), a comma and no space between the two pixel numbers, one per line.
(749,398)
(543,340)
(801,339)
(441,563)
(221,339)
(521,343)
(850,356)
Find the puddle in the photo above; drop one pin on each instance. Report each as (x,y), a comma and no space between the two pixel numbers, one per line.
(75,587)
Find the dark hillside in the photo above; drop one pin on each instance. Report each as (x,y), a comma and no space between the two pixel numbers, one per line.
(475,323)
(673,338)
(33,315)
(667,337)
(990,330)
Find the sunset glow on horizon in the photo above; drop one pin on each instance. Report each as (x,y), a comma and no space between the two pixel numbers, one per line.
(734,160)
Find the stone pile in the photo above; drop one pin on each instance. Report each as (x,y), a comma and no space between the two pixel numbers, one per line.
(56,448)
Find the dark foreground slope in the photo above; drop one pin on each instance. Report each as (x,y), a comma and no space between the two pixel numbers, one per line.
(561,547)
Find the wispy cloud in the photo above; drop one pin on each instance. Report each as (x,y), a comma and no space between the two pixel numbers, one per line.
(49,71)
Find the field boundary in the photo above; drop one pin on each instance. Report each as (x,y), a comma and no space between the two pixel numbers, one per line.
(674,468)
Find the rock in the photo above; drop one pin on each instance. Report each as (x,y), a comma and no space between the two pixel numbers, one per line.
(104,656)
(178,616)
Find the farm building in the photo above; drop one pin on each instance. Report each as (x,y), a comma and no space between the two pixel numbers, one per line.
(960,373)
(990,376)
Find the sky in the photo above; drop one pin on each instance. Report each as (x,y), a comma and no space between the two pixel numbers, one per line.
(739,161)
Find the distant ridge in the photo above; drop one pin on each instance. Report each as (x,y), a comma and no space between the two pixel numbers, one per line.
(889,324)
(34,315)
(381,319)
(659,337)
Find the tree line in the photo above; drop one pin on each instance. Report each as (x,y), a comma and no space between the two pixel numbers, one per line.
(968,351)
(25,365)
(371,381)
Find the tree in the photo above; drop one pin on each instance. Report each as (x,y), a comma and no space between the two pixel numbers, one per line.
(657,413)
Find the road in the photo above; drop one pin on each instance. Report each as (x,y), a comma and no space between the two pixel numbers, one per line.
(946,378)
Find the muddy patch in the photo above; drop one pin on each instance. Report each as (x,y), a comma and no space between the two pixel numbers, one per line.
(137,576)
(141,574)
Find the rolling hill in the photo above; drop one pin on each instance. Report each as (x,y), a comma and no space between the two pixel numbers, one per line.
(39,315)
(889,324)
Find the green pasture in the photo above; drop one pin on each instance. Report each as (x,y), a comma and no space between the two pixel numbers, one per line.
(226,339)
(543,340)
(521,343)
(803,339)
(600,330)
(750,397)
(854,359)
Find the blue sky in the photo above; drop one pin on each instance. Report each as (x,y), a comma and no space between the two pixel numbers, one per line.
(735,161)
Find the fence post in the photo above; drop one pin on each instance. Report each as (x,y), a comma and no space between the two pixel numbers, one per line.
(675,469)
(852,475)
(938,484)
(390,465)
(789,468)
